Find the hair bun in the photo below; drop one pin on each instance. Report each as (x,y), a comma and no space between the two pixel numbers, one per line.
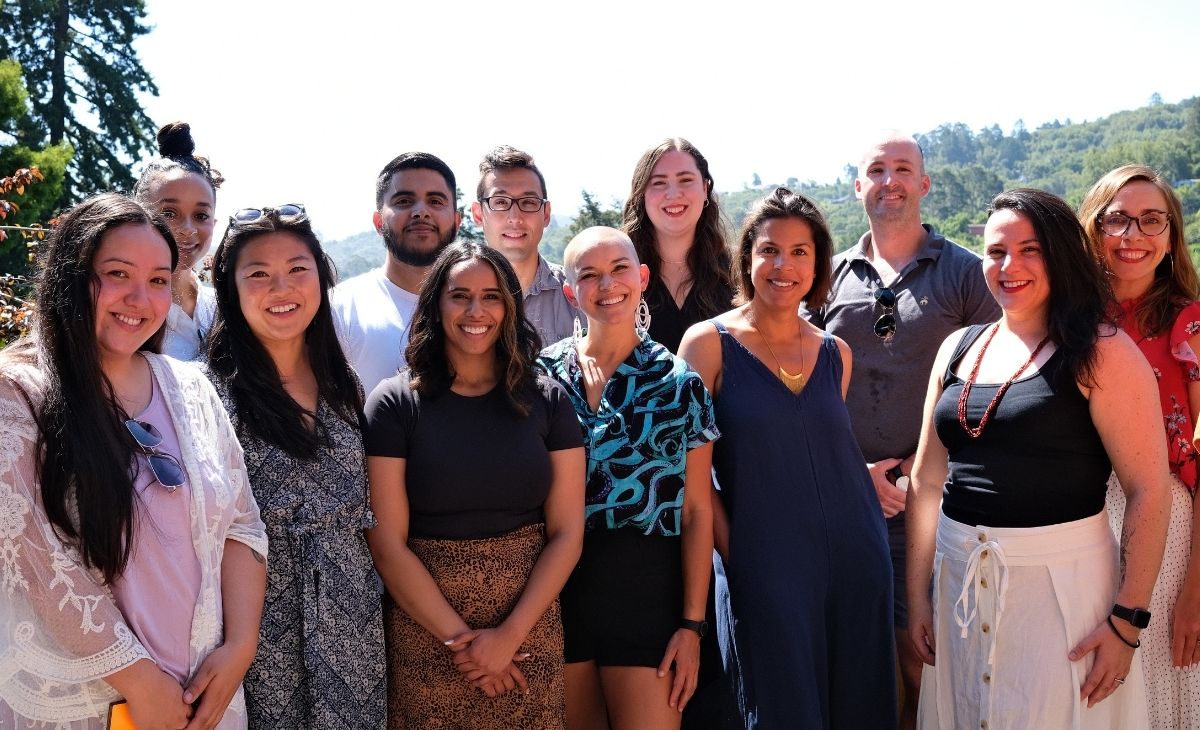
(175,140)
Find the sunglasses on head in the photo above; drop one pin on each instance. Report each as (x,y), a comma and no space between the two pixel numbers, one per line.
(286,213)
(165,467)
(885,326)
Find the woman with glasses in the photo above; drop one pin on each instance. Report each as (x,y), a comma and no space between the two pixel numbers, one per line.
(806,622)
(1036,621)
(633,610)
(296,407)
(476,472)
(182,188)
(672,217)
(1134,222)
(132,560)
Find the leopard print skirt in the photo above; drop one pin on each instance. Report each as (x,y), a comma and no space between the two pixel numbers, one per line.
(482,580)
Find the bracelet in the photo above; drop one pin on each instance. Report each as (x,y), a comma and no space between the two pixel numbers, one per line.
(1131,644)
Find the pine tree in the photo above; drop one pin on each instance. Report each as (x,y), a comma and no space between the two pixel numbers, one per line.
(83,77)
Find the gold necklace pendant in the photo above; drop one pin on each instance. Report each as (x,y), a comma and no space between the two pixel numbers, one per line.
(794,383)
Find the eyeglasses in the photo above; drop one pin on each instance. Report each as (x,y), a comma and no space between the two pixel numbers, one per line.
(501,203)
(885,326)
(1150,224)
(286,213)
(166,468)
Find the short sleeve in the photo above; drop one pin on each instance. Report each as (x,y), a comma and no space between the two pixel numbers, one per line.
(391,413)
(564,431)
(1186,326)
(701,421)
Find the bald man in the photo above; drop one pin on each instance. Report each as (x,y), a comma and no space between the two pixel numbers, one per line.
(897,294)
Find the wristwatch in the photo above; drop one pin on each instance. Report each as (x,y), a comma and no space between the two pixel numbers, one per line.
(1139,618)
(700,627)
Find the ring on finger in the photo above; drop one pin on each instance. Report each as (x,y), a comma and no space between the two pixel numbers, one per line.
(1120,681)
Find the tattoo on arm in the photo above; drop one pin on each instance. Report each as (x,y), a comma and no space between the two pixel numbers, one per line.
(1126,538)
(263,561)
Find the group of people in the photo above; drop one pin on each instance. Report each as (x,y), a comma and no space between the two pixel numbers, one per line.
(642,489)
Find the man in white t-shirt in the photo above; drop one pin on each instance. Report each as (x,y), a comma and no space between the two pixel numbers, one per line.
(416,216)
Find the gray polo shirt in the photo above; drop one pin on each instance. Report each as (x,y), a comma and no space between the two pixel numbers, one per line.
(940,291)
(546,306)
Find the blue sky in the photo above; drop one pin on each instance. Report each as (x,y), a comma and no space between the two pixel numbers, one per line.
(306,101)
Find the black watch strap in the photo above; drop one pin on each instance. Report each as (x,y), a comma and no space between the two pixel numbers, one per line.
(1139,618)
(700,627)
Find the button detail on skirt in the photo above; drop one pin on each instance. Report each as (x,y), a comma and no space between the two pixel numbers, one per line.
(987,678)
(983,537)
(986,628)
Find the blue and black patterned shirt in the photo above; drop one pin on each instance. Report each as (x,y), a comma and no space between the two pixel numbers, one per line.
(654,409)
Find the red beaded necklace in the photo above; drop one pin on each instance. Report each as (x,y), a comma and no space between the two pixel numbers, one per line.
(966,390)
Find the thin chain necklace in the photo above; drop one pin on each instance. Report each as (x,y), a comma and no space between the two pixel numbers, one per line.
(794,383)
(966,390)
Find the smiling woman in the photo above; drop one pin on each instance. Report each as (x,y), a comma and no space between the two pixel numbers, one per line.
(477,480)
(182,188)
(132,568)
(296,406)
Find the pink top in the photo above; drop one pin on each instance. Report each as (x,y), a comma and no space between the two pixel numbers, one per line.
(158,591)
(1175,365)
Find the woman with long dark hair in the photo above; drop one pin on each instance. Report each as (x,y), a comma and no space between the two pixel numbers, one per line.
(1036,624)
(633,610)
(476,472)
(673,217)
(807,618)
(132,566)
(296,406)
(182,188)
(1135,225)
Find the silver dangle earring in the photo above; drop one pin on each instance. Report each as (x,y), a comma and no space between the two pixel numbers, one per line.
(643,317)
(578,331)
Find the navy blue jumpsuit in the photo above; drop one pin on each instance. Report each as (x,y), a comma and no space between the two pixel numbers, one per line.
(805,604)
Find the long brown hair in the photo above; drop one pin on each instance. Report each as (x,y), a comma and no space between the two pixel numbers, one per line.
(708,259)
(1175,281)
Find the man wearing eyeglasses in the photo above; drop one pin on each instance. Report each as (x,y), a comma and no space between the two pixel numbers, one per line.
(416,216)
(897,294)
(512,210)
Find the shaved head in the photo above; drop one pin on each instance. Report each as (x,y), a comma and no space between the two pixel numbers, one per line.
(895,140)
(588,239)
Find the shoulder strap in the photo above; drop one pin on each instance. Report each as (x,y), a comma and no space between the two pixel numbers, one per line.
(972,333)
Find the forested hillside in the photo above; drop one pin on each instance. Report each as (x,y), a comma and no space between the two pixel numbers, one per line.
(967,168)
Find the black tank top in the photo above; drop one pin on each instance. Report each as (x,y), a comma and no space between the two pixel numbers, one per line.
(1038,462)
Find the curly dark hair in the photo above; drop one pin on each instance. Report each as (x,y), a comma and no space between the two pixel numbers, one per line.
(236,355)
(430,372)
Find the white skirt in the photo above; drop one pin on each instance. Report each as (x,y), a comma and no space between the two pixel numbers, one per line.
(1174,694)
(1009,603)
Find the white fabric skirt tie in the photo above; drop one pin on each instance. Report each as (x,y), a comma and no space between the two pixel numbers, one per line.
(1009,603)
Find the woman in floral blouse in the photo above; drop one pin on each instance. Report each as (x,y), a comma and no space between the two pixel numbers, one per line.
(1135,225)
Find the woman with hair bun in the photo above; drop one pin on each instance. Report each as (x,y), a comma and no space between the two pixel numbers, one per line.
(182,188)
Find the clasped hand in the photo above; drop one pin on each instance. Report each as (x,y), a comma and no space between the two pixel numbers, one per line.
(487,659)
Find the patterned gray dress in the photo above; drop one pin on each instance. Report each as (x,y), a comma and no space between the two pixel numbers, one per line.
(320,661)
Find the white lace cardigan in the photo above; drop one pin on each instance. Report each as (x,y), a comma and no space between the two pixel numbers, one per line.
(60,630)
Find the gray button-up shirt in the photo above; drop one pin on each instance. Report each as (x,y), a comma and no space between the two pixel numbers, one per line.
(546,306)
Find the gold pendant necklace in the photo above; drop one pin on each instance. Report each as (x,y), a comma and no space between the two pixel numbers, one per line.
(794,383)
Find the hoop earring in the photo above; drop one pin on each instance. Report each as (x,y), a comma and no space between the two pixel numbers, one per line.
(577,332)
(643,317)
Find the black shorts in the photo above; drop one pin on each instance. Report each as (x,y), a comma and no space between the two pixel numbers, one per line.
(624,600)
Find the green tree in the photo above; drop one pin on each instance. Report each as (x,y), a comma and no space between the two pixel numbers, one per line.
(83,78)
(591,214)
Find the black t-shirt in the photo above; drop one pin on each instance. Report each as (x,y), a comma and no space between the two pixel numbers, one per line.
(474,469)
